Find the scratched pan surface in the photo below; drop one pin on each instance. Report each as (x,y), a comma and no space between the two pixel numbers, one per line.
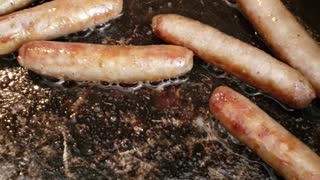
(51,129)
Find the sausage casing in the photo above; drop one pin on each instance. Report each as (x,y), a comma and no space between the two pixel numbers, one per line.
(54,19)
(236,57)
(266,137)
(288,40)
(118,64)
(8,6)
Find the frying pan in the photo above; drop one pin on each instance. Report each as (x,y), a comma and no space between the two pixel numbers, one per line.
(51,129)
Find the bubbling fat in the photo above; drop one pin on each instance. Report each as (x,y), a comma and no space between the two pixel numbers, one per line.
(62,84)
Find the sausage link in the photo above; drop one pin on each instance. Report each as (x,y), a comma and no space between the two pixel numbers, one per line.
(266,137)
(236,57)
(8,6)
(288,40)
(54,19)
(116,64)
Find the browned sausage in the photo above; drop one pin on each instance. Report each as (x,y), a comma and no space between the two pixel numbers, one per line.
(285,36)
(273,143)
(53,19)
(119,64)
(236,57)
(8,6)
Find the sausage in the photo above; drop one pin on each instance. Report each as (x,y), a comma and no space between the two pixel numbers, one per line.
(116,64)
(236,57)
(266,137)
(287,39)
(8,6)
(54,19)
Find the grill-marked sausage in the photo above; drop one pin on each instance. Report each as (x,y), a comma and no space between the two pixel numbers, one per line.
(236,57)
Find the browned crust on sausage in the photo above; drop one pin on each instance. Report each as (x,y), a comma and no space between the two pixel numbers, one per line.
(285,36)
(119,64)
(273,143)
(52,19)
(236,57)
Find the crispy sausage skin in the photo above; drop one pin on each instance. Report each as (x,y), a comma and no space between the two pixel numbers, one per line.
(8,6)
(285,36)
(54,19)
(272,142)
(236,57)
(91,62)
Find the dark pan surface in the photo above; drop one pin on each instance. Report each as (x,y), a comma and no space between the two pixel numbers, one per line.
(57,130)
